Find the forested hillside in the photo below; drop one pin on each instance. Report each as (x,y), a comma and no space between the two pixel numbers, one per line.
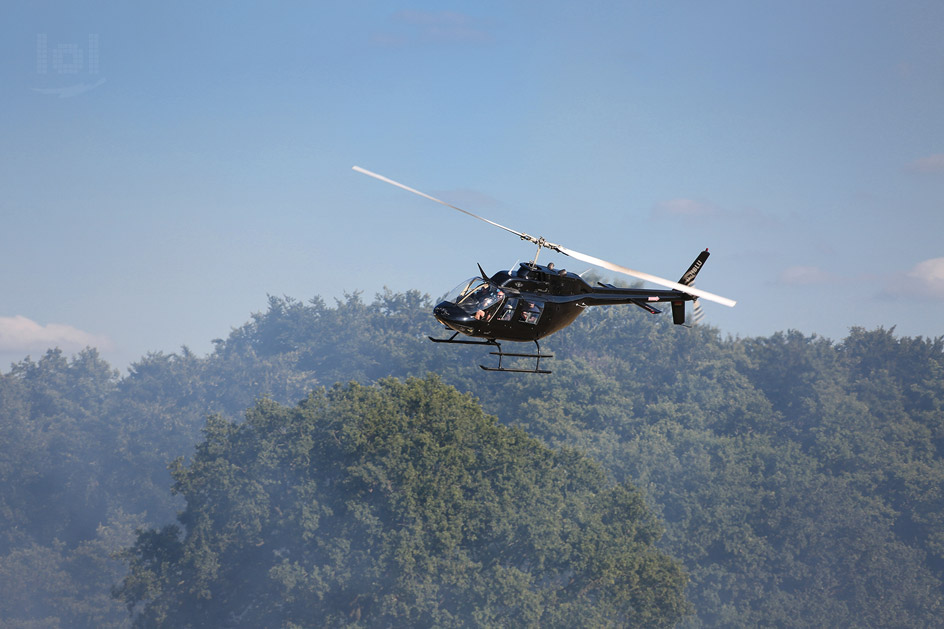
(798,481)
(400,505)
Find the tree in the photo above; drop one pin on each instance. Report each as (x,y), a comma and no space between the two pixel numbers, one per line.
(54,414)
(398,504)
(799,478)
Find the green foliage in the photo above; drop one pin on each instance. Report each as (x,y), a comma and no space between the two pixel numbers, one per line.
(399,504)
(52,416)
(50,586)
(799,479)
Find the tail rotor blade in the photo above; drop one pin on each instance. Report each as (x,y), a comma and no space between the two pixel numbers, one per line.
(697,313)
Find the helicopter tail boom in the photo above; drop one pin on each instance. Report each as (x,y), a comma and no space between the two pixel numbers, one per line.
(684,288)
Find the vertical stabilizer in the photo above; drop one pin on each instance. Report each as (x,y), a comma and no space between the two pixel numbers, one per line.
(688,277)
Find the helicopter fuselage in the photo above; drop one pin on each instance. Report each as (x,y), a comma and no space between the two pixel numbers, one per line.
(535,301)
(532,301)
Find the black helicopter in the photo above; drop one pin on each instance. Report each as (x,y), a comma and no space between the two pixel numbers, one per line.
(534,301)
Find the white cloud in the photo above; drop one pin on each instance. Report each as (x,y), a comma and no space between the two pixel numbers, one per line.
(932,164)
(924,280)
(805,276)
(930,276)
(19,335)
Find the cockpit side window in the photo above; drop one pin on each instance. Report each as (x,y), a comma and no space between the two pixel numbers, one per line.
(481,300)
(508,310)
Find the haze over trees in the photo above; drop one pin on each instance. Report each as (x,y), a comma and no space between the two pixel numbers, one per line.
(399,505)
(790,481)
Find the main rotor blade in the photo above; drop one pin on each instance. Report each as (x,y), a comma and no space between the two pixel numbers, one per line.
(647,277)
(689,290)
(449,205)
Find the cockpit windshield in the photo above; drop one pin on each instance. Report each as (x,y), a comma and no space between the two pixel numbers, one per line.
(463,289)
(475,295)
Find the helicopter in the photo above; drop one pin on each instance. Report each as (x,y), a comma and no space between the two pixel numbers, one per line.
(535,300)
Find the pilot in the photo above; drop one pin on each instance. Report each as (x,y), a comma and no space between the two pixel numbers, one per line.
(487,303)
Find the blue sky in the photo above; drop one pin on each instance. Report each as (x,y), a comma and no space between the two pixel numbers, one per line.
(164,167)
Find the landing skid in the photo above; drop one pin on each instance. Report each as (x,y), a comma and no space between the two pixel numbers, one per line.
(462,341)
(537,362)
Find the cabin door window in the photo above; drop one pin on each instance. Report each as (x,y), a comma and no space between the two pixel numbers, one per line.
(508,310)
(531,311)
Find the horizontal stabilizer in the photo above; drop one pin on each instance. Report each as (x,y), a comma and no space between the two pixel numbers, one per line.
(645,306)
